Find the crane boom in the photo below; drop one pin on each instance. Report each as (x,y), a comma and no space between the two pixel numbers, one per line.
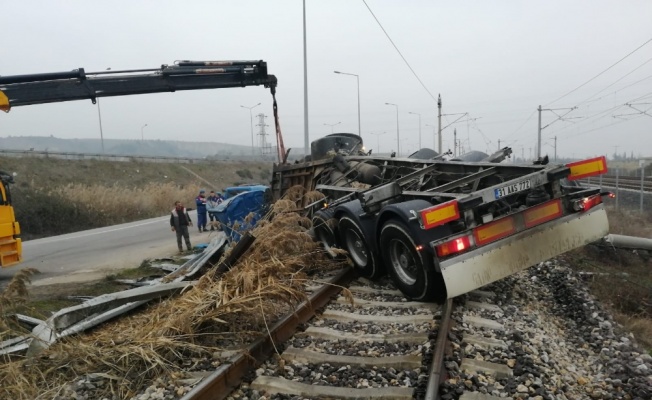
(54,87)
(21,90)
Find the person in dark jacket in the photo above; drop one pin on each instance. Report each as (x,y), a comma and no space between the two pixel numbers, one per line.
(180,221)
(212,202)
(200,201)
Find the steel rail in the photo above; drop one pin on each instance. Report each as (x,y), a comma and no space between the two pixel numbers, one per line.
(228,376)
(432,391)
(625,184)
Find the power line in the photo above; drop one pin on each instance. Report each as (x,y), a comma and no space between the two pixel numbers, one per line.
(399,51)
(603,114)
(522,125)
(618,80)
(611,66)
(621,89)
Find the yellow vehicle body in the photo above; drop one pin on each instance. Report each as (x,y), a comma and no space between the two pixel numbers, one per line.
(11,249)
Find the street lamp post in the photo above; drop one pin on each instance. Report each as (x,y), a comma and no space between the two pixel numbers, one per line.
(398,138)
(358,80)
(419,126)
(377,134)
(142,136)
(332,125)
(251,122)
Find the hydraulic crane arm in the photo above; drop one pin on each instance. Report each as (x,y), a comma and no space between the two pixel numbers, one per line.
(21,90)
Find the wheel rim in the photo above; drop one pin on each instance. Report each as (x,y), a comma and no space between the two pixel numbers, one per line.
(356,247)
(403,262)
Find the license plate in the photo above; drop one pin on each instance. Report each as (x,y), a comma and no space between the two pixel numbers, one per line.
(513,188)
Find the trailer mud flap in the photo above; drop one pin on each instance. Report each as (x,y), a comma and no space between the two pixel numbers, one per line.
(508,256)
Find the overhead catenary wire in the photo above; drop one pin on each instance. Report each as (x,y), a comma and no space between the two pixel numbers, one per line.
(399,51)
(613,83)
(602,114)
(596,76)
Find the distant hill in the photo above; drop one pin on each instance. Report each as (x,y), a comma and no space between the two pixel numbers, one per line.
(165,148)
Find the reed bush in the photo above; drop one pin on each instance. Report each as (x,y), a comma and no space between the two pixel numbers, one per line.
(76,207)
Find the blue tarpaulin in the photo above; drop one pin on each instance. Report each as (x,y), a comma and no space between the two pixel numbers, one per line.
(234,210)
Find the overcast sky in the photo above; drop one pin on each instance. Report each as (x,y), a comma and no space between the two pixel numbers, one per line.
(495,60)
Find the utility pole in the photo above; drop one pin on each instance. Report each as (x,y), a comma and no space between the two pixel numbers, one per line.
(539,134)
(555,148)
(439,121)
(616,151)
(455,142)
(251,123)
(559,117)
(410,112)
(523,153)
(398,138)
(498,144)
(306,135)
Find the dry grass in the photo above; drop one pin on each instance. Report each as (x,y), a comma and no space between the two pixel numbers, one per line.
(107,202)
(629,222)
(216,313)
(53,197)
(641,327)
(622,280)
(12,296)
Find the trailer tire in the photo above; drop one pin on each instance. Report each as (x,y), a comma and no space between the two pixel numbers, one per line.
(411,270)
(361,253)
(324,229)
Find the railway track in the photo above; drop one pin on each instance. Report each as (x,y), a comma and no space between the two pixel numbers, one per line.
(623,182)
(531,336)
(380,347)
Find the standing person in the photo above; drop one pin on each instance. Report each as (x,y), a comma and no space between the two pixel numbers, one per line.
(212,201)
(180,221)
(201,210)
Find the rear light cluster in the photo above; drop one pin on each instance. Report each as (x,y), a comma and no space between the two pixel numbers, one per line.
(587,203)
(453,246)
(501,228)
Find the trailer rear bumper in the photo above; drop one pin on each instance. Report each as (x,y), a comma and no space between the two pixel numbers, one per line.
(512,254)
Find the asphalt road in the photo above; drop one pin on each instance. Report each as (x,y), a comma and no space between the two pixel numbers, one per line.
(93,254)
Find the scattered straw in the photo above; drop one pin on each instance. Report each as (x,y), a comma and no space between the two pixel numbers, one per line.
(215,314)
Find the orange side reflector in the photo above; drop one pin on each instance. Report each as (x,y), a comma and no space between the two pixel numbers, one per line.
(493,231)
(4,102)
(586,168)
(542,213)
(439,214)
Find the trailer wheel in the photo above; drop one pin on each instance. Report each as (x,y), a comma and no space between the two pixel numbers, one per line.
(353,241)
(411,270)
(324,229)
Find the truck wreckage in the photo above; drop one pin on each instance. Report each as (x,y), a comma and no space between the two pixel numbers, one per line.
(439,228)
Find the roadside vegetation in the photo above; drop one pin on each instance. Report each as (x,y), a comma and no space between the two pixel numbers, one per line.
(620,278)
(53,196)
